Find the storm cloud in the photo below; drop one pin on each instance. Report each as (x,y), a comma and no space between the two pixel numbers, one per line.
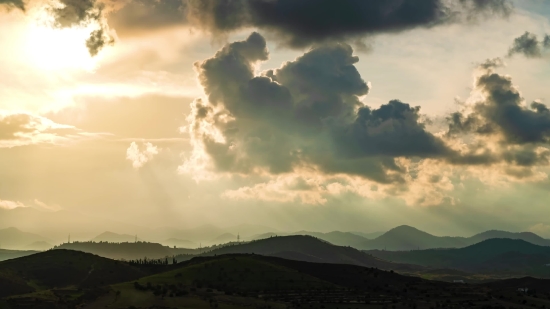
(529,45)
(300,23)
(308,112)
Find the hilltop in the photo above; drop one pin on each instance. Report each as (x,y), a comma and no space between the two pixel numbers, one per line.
(114,237)
(126,251)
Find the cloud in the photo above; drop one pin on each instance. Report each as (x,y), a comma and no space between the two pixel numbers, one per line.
(529,45)
(11,204)
(305,22)
(74,13)
(502,113)
(13,3)
(308,112)
(147,15)
(492,63)
(140,157)
(21,129)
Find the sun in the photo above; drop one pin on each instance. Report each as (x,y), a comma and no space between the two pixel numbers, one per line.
(51,48)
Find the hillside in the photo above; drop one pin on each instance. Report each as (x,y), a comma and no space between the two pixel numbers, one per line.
(526,236)
(336,237)
(493,256)
(308,248)
(13,238)
(126,251)
(60,268)
(224,238)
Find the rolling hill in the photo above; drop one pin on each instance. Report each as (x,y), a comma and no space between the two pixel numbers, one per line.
(493,256)
(180,243)
(310,249)
(13,254)
(125,251)
(409,238)
(334,237)
(224,238)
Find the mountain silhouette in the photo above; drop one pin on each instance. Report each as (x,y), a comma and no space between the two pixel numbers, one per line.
(180,243)
(405,237)
(497,256)
(309,249)
(13,238)
(224,238)
(114,237)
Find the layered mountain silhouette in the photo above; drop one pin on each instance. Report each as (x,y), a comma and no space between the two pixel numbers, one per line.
(180,243)
(409,238)
(13,238)
(309,249)
(496,256)
(114,237)
(335,237)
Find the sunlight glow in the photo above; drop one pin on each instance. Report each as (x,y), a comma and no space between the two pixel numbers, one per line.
(54,49)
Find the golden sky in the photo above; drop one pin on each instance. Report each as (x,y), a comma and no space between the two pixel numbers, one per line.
(170,113)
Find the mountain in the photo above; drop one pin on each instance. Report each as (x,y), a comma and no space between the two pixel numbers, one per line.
(180,243)
(308,248)
(39,246)
(526,236)
(206,233)
(336,237)
(13,238)
(493,256)
(13,254)
(224,238)
(369,235)
(114,237)
(409,238)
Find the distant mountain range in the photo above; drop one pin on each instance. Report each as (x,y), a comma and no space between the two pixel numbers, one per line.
(495,256)
(114,237)
(409,238)
(13,238)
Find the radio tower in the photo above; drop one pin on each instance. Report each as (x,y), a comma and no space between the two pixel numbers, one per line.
(69,241)
(238,238)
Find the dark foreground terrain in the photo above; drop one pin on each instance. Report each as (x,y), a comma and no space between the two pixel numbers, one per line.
(71,279)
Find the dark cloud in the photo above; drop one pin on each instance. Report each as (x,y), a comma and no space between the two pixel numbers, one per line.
(13,3)
(307,112)
(490,64)
(521,132)
(300,23)
(529,45)
(73,13)
(147,15)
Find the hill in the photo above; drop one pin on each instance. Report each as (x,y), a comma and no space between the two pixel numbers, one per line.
(336,237)
(13,254)
(409,238)
(308,248)
(125,251)
(493,256)
(62,268)
(13,238)
(371,235)
(114,237)
(405,237)
(69,279)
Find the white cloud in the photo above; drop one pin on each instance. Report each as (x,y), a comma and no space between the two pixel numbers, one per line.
(10,204)
(139,157)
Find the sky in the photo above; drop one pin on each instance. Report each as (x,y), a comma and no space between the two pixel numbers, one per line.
(320,115)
